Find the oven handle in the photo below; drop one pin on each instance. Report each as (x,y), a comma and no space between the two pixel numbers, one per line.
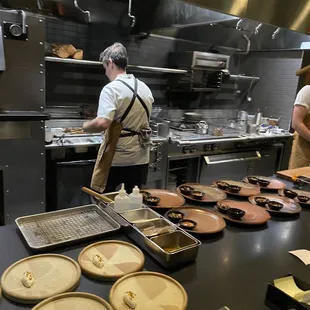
(77,162)
(258,157)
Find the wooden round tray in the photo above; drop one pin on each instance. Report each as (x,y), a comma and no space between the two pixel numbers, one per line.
(247,190)
(289,205)
(300,193)
(212,194)
(76,301)
(153,290)
(168,199)
(120,258)
(54,274)
(254,215)
(208,222)
(274,184)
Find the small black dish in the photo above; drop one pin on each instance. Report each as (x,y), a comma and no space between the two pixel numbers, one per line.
(175,216)
(145,194)
(223,208)
(187,224)
(290,194)
(152,200)
(234,188)
(253,180)
(303,199)
(235,213)
(261,201)
(263,183)
(222,185)
(197,194)
(186,190)
(274,205)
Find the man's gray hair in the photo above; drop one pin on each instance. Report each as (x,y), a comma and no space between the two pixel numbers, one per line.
(117,53)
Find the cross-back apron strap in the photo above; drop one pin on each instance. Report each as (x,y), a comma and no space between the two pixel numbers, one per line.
(135,95)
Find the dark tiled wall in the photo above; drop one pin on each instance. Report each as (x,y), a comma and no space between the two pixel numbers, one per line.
(275,92)
(81,85)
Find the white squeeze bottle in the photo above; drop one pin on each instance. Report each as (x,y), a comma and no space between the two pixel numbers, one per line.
(121,201)
(135,199)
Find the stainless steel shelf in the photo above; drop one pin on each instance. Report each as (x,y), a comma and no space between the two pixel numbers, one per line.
(130,67)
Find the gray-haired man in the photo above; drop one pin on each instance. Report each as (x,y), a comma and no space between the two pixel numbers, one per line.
(124,108)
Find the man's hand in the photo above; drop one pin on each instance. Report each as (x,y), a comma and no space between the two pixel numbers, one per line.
(299,114)
(98,124)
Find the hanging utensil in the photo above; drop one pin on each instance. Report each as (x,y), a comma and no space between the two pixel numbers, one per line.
(248,98)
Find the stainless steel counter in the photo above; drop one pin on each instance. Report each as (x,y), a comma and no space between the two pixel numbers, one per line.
(90,141)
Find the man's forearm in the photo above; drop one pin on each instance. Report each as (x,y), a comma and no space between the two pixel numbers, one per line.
(93,126)
(303,131)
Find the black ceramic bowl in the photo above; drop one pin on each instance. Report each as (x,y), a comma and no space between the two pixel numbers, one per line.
(222,185)
(152,200)
(145,194)
(187,224)
(274,205)
(175,216)
(290,194)
(261,201)
(253,180)
(197,194)
(303,199)
(223,208)
(234,188)
(235,213)
(263,183)
(186,190)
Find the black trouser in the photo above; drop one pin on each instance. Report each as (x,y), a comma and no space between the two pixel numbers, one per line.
(129,175)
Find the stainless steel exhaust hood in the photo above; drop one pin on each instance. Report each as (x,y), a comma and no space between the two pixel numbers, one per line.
(293,15)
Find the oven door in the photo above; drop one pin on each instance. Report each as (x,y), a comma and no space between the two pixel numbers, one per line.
(236,166)
(71,176)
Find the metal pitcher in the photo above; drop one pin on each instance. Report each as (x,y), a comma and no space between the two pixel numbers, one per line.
(201,128)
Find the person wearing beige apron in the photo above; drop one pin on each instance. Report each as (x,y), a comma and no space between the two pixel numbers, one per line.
(300,156)
(123,114)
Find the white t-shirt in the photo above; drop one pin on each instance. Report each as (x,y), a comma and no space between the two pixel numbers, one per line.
(303,97)
(114,99)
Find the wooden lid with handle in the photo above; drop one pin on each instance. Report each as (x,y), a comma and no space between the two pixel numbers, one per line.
(53,274)
(76,301)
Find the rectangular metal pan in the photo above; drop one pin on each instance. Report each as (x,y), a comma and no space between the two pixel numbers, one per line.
(47,230)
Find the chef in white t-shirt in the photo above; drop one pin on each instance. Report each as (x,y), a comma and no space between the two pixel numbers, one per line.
(300,156)
(126,101)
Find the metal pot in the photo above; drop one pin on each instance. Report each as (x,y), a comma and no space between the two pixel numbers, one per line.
(201,128)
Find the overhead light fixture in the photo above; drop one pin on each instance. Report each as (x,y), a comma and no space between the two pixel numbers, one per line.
(256,31)
(275,33)
(238,26)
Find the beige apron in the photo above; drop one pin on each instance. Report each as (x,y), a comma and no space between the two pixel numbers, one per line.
(300,156)
(105,157)
(108,147)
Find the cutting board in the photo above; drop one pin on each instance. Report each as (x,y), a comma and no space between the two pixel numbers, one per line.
(289,174)
(54,274)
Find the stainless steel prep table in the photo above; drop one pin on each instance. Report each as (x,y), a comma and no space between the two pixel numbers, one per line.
(231,269)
